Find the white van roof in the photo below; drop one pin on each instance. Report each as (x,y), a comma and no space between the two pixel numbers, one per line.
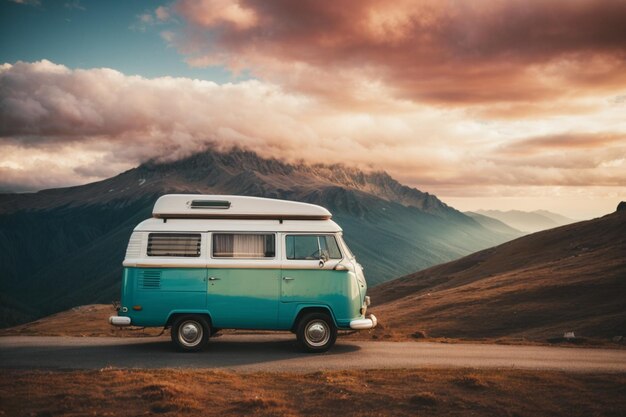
(228,225)
(198,206)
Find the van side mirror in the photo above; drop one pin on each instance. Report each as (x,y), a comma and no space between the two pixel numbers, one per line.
(323,259)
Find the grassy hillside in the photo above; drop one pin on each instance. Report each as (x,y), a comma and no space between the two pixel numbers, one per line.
(572,278)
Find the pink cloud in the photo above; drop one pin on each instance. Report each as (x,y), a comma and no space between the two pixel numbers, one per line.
(443,52)
(87,124)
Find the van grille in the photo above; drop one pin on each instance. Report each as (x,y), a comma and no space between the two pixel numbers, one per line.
(174,244)
(150,280)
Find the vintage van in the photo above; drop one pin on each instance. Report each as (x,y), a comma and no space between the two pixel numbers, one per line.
(204,263)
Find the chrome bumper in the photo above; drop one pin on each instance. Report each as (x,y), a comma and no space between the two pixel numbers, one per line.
(119,321)
(364,324)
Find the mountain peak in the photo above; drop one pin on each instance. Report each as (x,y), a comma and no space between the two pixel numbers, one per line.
(255,175)
(236,171)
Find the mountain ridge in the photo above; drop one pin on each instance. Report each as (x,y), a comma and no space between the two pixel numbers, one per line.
(528,221)
(376,181)
(64,247)
(492,223)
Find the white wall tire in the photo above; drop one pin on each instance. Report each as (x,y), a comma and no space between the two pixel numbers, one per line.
(190,333)
(316,332)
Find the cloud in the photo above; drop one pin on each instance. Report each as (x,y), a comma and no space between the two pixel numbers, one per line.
(27,2)
(148,18)
(233,14)
(564,141)
(44,102)
(51,165)
(62,126)
(435,51)
(74,5)
(162,13)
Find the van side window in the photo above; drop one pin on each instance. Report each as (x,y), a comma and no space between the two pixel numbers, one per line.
(312,247)
(240,245)
(174,244)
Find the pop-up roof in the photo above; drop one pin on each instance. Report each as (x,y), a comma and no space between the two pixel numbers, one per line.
(235,207)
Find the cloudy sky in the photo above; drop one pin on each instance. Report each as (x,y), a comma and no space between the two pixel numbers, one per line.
(502,104)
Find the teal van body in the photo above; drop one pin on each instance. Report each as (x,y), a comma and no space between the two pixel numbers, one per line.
(242,298)
(267,271)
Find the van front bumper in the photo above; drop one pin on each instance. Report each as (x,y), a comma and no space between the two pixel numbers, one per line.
(363,324)
(119,321)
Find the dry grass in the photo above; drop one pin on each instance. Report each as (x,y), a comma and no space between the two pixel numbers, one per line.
(88,320)
(529,290)
(113,392)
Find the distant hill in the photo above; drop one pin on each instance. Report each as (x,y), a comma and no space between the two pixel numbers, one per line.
(572,278)
(63,247)
(494,224)
(528,221)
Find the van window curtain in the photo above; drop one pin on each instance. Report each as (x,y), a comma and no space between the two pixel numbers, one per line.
(223,245)
(243,245)
(249,246)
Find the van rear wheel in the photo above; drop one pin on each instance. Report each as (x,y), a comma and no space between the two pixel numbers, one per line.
(190,333)
(316,332)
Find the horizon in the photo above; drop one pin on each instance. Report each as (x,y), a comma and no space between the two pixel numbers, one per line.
(497,104)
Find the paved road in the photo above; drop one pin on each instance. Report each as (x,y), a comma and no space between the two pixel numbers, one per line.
(276,352)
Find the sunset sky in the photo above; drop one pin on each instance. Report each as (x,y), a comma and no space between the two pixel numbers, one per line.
(494,104)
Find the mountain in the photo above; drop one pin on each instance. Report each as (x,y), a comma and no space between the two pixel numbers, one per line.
(494,224)
(555,217)
(63,247)
(528,221)
(572,278)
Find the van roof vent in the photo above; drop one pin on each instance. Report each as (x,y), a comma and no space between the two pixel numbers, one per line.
(209,204)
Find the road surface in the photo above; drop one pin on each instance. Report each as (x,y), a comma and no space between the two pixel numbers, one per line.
(277,353)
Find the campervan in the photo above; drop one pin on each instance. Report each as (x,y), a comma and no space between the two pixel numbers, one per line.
(204,263)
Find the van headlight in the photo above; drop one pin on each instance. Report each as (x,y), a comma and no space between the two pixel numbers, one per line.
(367,300)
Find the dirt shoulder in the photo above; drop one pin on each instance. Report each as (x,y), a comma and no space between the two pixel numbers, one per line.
(115,392)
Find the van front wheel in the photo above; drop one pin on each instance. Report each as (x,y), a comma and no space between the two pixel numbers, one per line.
(190,333)
(316,332)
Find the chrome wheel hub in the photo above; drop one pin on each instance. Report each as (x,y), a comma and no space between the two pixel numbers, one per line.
(317,333)
(190,333)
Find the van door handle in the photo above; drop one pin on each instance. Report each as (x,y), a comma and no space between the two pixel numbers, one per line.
(287,279)
(213,279)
